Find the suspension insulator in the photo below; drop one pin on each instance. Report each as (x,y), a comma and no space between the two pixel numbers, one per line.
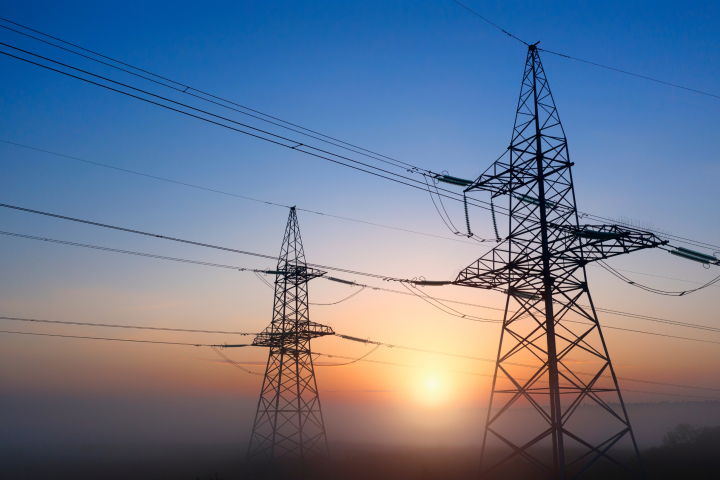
(596,235)
(340,280)
(694,256)
(454,180)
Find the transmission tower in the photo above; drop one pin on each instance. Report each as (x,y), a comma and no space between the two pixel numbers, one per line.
(555,400)
(288,439)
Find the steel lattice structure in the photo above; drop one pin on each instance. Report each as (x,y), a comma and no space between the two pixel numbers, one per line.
(550,324)
(288,439)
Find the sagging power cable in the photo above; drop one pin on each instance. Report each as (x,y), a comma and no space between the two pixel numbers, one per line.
(656,291)
(188,90)
(218,119)
(190,242)
(235,195)
(350,358)
(231,362)
(445,300)
(347,363)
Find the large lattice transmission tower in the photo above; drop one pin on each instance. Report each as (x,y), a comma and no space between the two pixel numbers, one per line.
(555,400)
(288,439)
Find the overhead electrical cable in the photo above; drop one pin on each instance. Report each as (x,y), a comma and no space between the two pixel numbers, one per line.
(410,293)
(444,308)
(270,286)
(187,89)
(350,358)
(130,340)
(128,252)
(187,92)
(298,145)
(657,319)
(670,236)
(342,336)
(659,276)
(260,134)
(586,61)
(199,244)
(644,332)
(277,139)
(649,382)
(155,177)
(491,23)
(233,363)
(629,73)
(351,361)
(655,290)
(229,267)
(135,327)
(671,394)
(341,300)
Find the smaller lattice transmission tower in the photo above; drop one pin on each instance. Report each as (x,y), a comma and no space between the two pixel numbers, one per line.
(288,439)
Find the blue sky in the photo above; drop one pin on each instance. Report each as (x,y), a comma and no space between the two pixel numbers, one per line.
(422,81)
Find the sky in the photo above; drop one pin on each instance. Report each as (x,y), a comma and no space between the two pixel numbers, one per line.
(425,82)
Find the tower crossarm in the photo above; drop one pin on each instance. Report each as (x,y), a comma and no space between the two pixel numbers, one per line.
(503,178)
(516,259)
(299,332)
(296,274)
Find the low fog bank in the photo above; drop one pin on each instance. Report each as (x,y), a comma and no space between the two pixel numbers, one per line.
(56,421)
(191,438)
(697,459)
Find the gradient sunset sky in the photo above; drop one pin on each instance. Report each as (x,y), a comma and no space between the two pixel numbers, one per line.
(422,81)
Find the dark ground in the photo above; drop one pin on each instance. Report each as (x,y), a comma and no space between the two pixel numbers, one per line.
(691,454)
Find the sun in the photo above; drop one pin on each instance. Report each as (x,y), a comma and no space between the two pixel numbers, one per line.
(431,390)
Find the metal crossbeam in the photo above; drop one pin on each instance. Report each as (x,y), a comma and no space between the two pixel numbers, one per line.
(288,439)
(541,267)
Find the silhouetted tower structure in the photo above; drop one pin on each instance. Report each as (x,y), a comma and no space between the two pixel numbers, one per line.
(288,439)
(553,373)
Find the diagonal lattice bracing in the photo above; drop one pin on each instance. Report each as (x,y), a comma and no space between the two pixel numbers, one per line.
(288,439)
(555,403)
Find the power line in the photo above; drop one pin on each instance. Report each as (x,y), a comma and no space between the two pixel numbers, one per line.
(444,308)
(199,244)
(630,73)
(649,382)
(187,88)
(410,293)
(655,290)
(116,339)
(233,363)
(362,359)
(491,23)
(689,241)
(355,360)
(657,276)
(381,362)
(278,140)
(155,177)
(341,300)
(586,61)
(272,287)
(298,145)
(656,319)
(671,394)
(344,337)
(134,327)
(261,134)
(281,205)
